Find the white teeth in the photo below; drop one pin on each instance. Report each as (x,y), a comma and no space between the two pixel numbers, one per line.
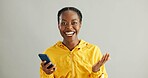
(69,33)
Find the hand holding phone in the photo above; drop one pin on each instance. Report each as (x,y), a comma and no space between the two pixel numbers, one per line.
(44,57)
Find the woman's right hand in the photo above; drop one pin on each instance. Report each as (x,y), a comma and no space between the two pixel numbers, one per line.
(48,70)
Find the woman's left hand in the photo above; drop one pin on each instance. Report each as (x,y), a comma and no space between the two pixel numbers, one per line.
(103,60)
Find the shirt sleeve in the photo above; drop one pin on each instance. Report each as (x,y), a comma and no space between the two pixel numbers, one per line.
(44,75)
(102,72)
(96,74)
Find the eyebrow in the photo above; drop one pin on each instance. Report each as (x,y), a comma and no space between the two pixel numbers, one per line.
(72,20)
(63,20)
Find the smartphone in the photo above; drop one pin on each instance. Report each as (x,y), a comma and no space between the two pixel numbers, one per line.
(44,57)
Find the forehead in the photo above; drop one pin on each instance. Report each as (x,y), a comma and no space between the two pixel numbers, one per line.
(69,15)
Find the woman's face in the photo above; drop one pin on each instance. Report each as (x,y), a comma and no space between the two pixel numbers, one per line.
(69,25)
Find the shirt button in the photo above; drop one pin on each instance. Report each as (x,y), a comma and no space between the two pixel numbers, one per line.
(78,48)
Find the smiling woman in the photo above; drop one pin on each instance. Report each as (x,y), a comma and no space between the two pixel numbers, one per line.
(73,57)
(69,26)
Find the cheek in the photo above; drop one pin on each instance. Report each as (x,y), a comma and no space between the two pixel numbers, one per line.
(61,28)
(77,28)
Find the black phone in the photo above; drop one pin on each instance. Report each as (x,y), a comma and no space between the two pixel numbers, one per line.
(44,57)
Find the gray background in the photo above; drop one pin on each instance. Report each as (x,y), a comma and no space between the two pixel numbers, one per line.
(28,27)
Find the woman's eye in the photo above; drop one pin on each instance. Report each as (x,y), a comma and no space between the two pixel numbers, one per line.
(63,23)
(74,23)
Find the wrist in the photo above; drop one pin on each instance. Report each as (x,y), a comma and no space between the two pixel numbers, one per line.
(95,70)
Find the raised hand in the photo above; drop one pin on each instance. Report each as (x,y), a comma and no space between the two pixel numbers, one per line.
(103,60)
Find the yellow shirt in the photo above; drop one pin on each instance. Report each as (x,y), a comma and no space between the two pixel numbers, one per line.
(76,63)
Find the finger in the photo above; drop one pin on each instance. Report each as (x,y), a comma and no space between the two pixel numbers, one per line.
(48,71)
(53,68)
(51,72)
(48,64)
(43,63)
(106,58)
(100,61)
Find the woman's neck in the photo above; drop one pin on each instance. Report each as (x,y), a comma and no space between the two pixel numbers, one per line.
(71,44)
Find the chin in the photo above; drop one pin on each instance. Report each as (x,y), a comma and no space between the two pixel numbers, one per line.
(70,39)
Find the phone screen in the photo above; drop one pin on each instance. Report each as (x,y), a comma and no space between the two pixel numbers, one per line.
(44,57)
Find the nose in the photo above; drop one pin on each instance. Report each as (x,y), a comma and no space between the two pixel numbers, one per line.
(69,26)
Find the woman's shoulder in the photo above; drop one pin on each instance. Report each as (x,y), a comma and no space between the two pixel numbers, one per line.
(53,47)
(89,45)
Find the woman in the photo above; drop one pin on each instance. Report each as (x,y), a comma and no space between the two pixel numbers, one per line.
(73,57)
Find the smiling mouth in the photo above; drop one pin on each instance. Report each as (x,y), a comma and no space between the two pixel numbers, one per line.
(69,33)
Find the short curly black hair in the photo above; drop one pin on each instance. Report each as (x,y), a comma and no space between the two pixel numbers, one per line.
(69,8)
